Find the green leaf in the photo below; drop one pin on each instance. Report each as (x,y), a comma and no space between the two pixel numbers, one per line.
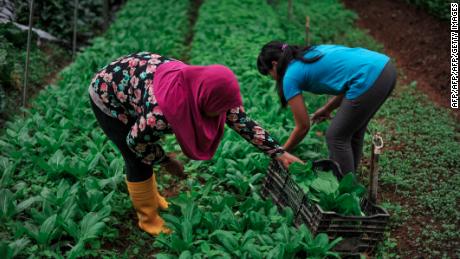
(306,234)
(77,250)
(325,183)
(227,239)
(334,243)
(5,251)
(288,214)
(71,228)
(321,240)
(348,204)
(257,221)
(191,212)
(230,220)
(173,222)
(57,160)
(7,206)
(349,184)
(92,224)
(177,244)
(19,245)
(276,252)
(47,230)
(187,232)
(205,248)
(165,256)
(27,203)
(185,255)
(297,168)
(69,211)
(265,239)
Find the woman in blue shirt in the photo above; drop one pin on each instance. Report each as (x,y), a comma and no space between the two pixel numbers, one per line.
(360,80)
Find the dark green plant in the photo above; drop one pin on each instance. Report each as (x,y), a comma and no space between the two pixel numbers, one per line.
(73,174)
(9,250)
(438,8)
(56,17)
(343,197)
(12,59)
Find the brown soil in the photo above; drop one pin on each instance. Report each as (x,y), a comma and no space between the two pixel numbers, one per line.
(126,239)
(419,42)
(406,245)
(172,190)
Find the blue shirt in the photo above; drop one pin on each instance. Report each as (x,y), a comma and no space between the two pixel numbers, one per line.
(340,70)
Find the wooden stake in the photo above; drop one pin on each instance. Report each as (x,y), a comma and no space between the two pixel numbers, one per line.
(376,149)
(74,41)
(307,30)
(26,70)
(106,13)
(290,9)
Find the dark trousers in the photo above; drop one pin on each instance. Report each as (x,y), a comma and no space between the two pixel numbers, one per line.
(345,135)
(116,131)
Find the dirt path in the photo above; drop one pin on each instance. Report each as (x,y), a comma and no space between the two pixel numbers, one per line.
(419,42)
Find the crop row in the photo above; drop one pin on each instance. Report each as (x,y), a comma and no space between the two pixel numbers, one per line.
(61,181)
(226,217)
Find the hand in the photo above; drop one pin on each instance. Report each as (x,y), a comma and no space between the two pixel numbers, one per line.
(175,168)
(320,115)
(286,159)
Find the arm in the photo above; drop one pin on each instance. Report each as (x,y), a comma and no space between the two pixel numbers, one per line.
(252,132)
(324,112)
(333,103)
(141,141)
(302,122)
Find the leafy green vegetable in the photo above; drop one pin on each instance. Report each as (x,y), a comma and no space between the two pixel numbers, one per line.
(323,188)
(71,176)
(326,183)
(77,174)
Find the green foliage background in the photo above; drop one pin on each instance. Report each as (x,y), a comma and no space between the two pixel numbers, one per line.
(56,17)
(62,182)
(439,8)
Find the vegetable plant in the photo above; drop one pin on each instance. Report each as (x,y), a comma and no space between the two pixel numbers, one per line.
(323,188)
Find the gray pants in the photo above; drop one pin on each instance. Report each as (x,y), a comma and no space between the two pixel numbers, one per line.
(345,135)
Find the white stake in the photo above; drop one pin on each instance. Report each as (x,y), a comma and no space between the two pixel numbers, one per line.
(26,71)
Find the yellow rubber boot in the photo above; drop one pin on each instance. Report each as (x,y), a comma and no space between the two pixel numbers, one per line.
(145,203)
(162,202)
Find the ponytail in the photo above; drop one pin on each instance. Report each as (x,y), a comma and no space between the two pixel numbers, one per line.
(283,54)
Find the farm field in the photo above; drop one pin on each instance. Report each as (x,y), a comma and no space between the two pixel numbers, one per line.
(62,183)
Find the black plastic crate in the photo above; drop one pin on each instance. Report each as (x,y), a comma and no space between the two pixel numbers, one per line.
(360,233)
(281,187)
(274,189)
(273,184)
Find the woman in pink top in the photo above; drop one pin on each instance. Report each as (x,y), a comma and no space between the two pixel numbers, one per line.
(140,97)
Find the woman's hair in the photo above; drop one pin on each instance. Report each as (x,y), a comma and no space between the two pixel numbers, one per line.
(283,54)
